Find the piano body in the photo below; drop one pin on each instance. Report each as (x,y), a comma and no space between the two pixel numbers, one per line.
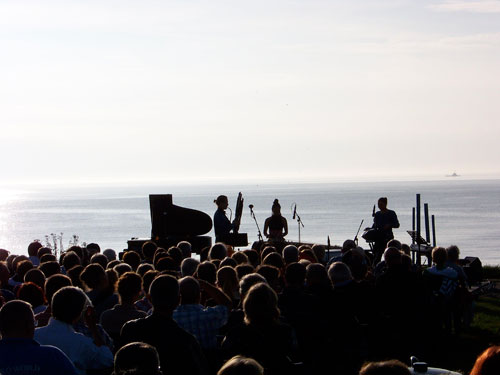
(171,224)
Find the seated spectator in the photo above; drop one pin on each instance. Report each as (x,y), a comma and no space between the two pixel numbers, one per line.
(70,260)
(178,350)
(176,254)
(240,257)
(5,288)
(217,251)
(185,248)
(47,258)
(274,259)
(35,276)
(243,270)
(453,255)
(52,285)
(133,259)
(122,268)
(33,294)
(227,261)
(4,254)
(50,268)
(33,252)
(227,281)
(100,291)
(143,268)
(148,251)
(129,290)
(239,365)
(392,367)
(320,252)
(19,353)
(110,254)
(99,259)
(137,358)
(92,249)
(42,251)
(488,362)
(22,266)
(189,266)
(68,304)
(253,257)
(262,337)
(74,274)
(203,323)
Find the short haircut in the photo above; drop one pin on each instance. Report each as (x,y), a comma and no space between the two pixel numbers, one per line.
(50,268)
(70,260)
(439,255)
(185,248)
(148,249)
(217,251)
(16,318)
(36,276)
(143,268)
(189,266)
(392,256)
(239,365)
(320,252)
(316,274)
(31,293)
(227,261)
(453,253)
(33,248)
(290,254)
(189,289)
(488,362)
(295,274)
(101,259)
(394,243)
(273,259)
(164,292)
(93,276)
(147,279)
(207,271)
(253,257)
(48,258)
(392,367)
(93,248)
(240,257)
(244,269)
(129,286)
(68,304)
(43,251)
(110,254)
(23,267)
(136,358)
(132,258)
(271,274)
(339,273)
(176,254)
(54,283)
(121,268)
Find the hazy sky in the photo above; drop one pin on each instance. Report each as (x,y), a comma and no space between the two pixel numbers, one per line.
(193,89)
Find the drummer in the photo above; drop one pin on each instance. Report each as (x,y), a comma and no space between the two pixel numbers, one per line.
(276,226)
(222,225)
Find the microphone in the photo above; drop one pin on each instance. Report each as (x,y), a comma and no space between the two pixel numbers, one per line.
(251,206)
(294,212)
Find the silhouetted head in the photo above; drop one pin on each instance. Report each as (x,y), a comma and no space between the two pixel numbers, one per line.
(17,320)
(382,203)
(394,243)
(99,258)
(276,208)
(185,248)
(207,271)
(189,266)
(189,289)
(129,287)
(164,293)
(261,305)
(54,283)
(221,202)
(239,365)
(439,256)
(110,254)
(132,258)
(136,358)
(248,281)
(392,257)
(217,251)
(316,274)
(392,367)
(33,248)
(295,275)
(453,253)
(31,293)
(68,304)
(290,254)
(339,273)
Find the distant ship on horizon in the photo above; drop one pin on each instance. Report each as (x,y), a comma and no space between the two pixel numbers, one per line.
(454,174)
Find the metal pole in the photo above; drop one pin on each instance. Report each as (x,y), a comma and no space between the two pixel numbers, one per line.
(433,231)
(426,218)
(413,224)
(418,229)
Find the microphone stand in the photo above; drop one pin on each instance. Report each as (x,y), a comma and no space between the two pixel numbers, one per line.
(299,220)
(356,238)
(252,214)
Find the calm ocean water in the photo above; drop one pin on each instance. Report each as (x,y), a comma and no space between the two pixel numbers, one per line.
(467,212)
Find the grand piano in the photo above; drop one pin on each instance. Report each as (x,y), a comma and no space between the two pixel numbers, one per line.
(171,224)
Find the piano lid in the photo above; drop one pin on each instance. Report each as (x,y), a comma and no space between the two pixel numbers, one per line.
(168,219)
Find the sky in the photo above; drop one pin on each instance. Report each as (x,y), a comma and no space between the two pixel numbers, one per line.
(199,90)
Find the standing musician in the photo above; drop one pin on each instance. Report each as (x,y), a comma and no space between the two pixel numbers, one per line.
(383,221)
(222,225)
(276,226)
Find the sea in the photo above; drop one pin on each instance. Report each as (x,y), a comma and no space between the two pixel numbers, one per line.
(467,212)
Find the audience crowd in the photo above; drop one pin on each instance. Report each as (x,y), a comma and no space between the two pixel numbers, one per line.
(259,311)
